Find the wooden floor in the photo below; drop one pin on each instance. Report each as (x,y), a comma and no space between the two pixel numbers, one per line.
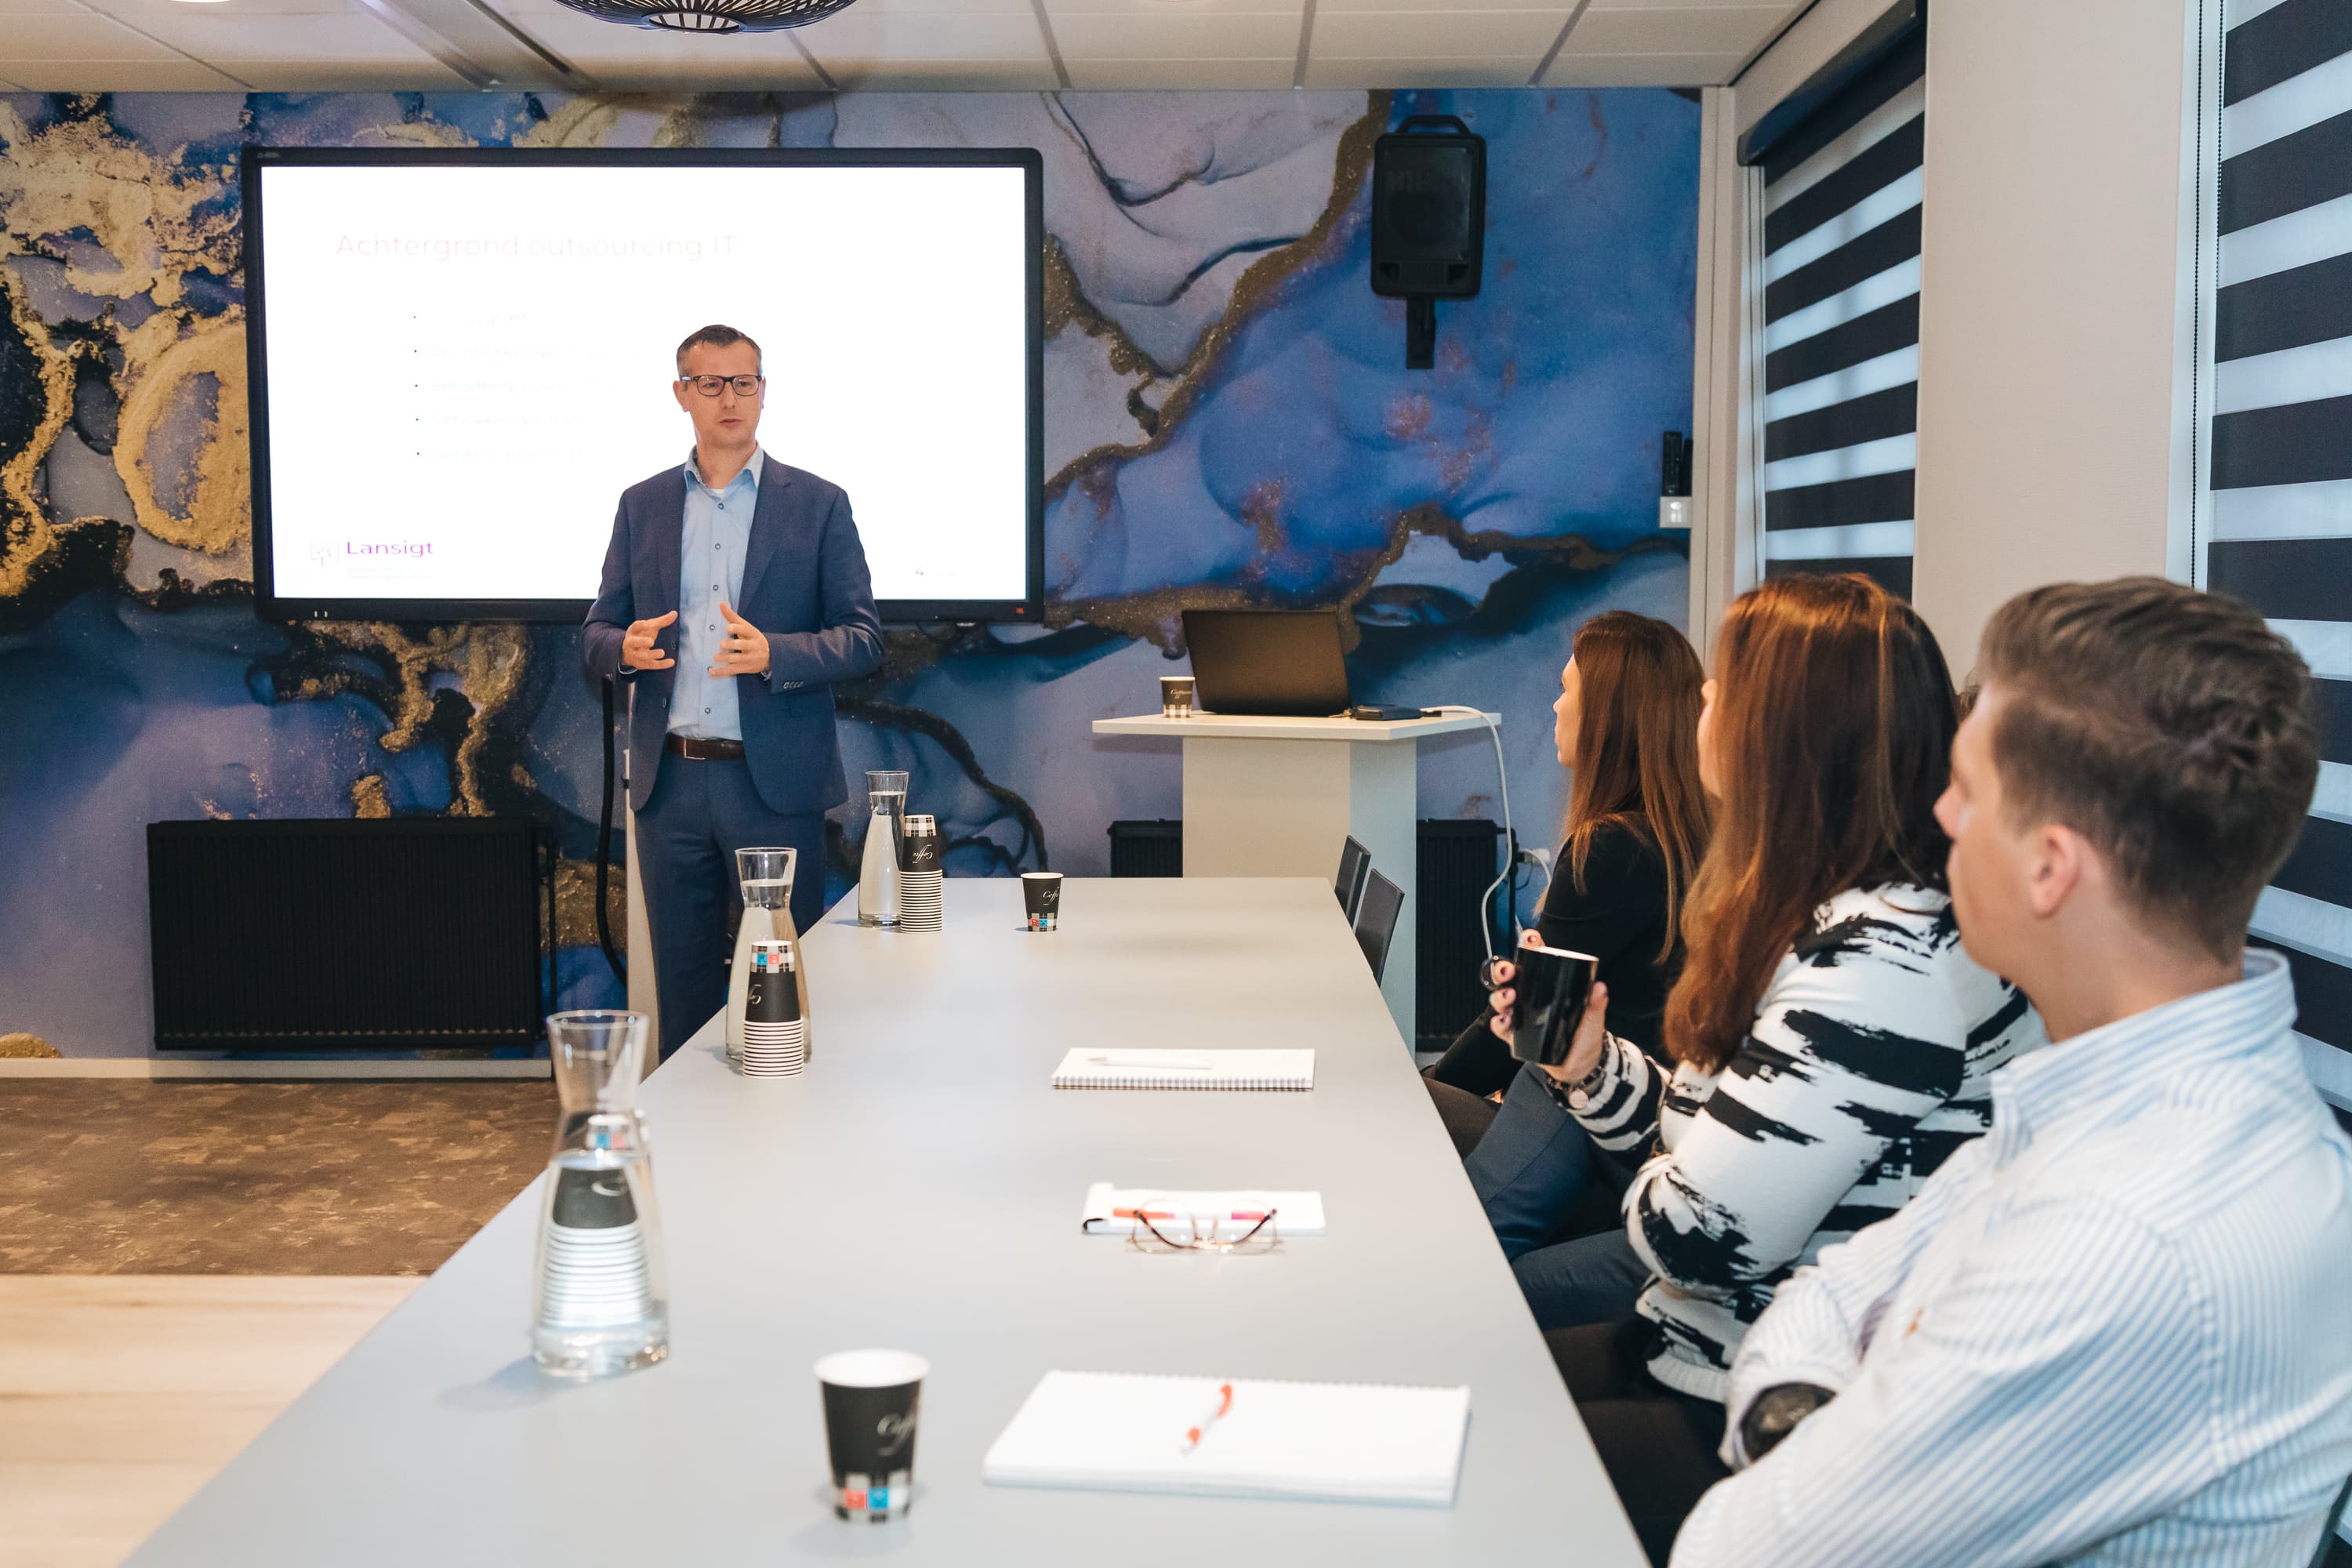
(121,1395)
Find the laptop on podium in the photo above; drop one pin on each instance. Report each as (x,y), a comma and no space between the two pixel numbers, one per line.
(1273,664)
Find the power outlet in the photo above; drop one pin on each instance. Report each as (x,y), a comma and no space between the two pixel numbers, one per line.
(1674,512)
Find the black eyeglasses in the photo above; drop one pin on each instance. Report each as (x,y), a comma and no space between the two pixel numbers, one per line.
(711,385)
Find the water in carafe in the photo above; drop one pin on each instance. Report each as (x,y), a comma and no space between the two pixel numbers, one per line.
(766,875)
(877,869)
(599,1305)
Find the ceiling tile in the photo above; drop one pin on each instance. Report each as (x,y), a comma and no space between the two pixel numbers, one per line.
(1642,70)
(1058,9)
(423,74)
(174,75)
(39,8)
(82,36)
(1450,35)
(868,74)
(968,7)
(898,36)
(137,12)
(1701,30)
(1324,8)
(1427,71)
(213,33)
(1187,76)
(1135,37)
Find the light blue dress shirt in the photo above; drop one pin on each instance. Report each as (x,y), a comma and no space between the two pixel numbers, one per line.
(2117,1330)
(717,528)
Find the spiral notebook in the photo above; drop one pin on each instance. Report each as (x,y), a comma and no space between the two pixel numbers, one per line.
(1095,1069)
(1346,1441)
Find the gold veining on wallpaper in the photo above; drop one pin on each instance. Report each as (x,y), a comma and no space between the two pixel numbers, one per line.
(1352,163)
(489,660)
(425,133)
(141,210)
(1067,305)
(368,799)
(220,500)
(27,534)
(582,121)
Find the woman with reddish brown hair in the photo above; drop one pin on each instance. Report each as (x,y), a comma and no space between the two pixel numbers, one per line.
(1828,1041)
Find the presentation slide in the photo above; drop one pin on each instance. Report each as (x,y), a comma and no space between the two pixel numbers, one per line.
(467,364)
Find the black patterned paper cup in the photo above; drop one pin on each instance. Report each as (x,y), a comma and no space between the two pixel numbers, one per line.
(872,1401)
(1041,898)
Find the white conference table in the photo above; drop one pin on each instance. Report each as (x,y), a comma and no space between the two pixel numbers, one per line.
(919,1187)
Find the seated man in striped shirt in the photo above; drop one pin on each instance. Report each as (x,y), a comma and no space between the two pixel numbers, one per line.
(2117,1329)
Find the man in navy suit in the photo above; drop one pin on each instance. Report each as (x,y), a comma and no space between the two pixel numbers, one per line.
(735,594)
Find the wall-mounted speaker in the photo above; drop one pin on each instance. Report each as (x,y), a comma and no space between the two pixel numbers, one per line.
(1429,222)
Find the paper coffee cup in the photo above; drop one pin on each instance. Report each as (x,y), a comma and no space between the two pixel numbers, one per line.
(1552,983)
(873,1400)
(1040,896)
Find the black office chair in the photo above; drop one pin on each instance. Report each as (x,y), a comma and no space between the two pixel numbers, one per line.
(1354,865)
(1376,921)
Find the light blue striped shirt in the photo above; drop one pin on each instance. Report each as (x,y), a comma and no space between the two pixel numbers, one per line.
(2117,1330)
(715,531)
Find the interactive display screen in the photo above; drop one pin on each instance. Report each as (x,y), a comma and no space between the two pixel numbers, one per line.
(460,359)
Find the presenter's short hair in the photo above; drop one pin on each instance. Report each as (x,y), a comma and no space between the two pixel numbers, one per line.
(2171,728)
(717,337)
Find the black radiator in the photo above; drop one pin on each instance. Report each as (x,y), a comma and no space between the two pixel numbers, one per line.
(401,933)
(1140,849)
(1455,858)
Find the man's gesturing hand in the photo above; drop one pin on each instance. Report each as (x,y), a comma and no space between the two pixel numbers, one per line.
(743,651)
(637,649)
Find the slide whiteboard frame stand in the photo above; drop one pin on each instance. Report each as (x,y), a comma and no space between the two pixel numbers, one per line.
(270,605)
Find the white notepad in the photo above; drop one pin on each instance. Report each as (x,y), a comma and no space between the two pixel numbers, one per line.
(1295,1214)
(1350,1442)
(1087,1068)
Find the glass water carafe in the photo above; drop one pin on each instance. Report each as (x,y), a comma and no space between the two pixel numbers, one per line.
(766,875)
(600,1303)
(877,869)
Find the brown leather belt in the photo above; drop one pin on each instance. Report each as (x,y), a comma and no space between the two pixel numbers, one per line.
(700,750)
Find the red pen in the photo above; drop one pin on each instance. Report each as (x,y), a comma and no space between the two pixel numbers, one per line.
(1225,1403)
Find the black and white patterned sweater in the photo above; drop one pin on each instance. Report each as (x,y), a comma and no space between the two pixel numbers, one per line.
(1866,1065)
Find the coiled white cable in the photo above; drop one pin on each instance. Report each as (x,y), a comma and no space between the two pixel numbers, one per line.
(1510,841)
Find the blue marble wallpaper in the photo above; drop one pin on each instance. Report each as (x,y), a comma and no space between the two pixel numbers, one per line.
(1228,422)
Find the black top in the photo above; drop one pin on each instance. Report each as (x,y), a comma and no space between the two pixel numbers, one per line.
(1620,918)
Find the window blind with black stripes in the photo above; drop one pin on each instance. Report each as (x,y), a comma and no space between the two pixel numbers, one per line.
(1841,262)
(2281,443)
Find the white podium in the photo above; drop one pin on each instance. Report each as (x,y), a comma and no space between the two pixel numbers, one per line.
(1278,797)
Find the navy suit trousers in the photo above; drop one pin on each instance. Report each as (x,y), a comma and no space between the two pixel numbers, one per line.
(699,814)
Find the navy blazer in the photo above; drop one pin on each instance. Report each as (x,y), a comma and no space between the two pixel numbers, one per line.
(804,586)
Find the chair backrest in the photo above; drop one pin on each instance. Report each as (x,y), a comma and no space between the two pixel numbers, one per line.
(1355,866)
(1376,921)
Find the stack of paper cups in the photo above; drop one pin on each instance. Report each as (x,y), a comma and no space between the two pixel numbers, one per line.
(919,877)
(592,1271)
(775,1035)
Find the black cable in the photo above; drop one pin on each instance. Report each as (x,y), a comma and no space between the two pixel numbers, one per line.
(605,850)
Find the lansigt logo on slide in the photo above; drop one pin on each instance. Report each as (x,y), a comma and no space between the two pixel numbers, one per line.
(373,557)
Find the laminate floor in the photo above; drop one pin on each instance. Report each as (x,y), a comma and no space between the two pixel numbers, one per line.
(144,1176)
(122,1394)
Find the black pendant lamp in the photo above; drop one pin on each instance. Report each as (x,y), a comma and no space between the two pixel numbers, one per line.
(710,16)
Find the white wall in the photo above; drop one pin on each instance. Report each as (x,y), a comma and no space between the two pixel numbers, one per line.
(2056,330)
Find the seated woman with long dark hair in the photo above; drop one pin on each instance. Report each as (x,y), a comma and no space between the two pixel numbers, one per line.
(1625,725)
(1830,1039)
